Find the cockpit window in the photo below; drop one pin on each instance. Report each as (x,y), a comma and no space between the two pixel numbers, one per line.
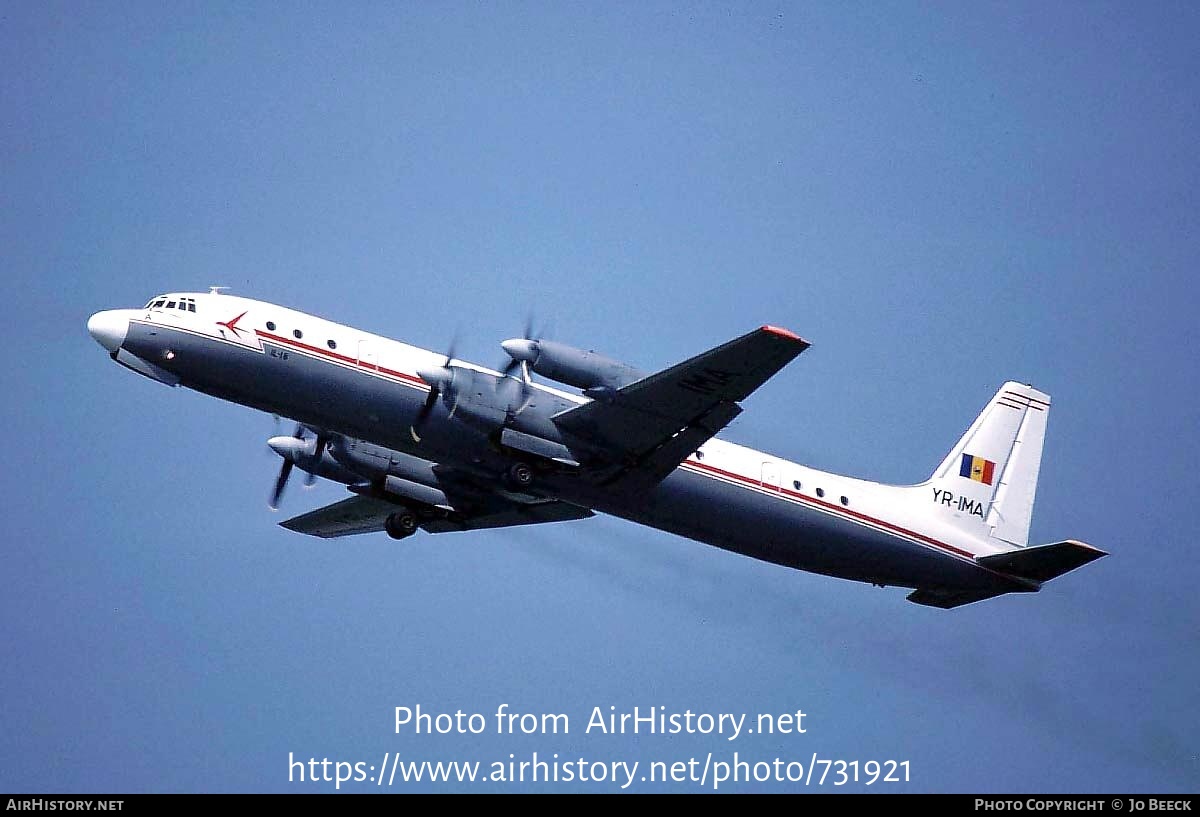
(183,303)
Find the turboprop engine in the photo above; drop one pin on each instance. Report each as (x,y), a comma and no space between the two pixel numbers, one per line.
(587,370)
(488,401)
(508,407)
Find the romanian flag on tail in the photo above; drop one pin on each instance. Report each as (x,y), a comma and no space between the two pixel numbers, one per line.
(977,468)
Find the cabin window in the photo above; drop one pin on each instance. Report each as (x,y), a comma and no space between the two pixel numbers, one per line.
(820,492)
(297,334)
(845,501)
(271,326)
(796,484)
(332,344)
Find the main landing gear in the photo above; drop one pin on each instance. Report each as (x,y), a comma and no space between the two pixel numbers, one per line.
(401,524)
(519,476)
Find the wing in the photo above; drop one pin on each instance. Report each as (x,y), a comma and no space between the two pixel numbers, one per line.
(653,424)
(358,514)
(367,514)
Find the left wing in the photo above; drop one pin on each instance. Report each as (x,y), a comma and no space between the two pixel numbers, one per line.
(367,514)
(358,514)
(650,426)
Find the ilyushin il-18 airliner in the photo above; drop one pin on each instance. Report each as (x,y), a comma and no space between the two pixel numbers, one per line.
(427,442)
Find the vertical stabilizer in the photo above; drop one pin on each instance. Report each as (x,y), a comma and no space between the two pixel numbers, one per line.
(990,477)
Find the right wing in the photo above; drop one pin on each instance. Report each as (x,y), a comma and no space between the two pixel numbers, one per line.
(650,426)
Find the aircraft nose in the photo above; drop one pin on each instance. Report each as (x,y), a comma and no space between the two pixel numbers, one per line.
(109,328)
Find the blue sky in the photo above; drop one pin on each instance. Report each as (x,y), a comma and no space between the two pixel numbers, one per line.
(939,197)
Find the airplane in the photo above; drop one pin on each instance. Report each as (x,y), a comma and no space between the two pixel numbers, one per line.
(427,442)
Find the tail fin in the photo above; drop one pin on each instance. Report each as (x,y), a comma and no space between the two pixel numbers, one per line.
(990,477)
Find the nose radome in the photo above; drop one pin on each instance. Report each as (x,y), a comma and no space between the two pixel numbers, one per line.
(109,328)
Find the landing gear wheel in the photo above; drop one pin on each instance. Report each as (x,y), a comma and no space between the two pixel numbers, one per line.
(520,475)
(401,524)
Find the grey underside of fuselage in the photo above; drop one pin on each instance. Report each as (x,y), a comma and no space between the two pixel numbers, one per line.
(769,527)
(739,518)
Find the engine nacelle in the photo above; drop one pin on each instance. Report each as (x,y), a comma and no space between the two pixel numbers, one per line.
(373,462)
(516,415)
(303,454)
(575,367)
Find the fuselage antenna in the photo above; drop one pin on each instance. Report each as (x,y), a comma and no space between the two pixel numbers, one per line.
(216,290)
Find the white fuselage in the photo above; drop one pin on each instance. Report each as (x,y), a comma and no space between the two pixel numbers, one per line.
(299,365)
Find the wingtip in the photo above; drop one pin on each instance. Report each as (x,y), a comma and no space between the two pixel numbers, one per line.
(784,333)
(1084,546)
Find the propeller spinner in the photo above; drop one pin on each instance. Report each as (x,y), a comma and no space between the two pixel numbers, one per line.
(291,449)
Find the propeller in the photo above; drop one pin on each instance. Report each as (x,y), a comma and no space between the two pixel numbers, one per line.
(285,471)
(521,352)
(310,477)
(439,380)
(292,449)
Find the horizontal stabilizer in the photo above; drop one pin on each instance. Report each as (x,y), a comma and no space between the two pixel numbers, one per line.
(947,598)
(1043,562)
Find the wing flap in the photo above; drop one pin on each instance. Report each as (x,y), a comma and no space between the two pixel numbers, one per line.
(534,513)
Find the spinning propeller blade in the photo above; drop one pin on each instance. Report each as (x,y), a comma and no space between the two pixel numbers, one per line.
(437,379)
(285,471)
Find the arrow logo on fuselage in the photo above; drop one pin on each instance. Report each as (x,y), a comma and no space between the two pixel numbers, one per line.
(232,325)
